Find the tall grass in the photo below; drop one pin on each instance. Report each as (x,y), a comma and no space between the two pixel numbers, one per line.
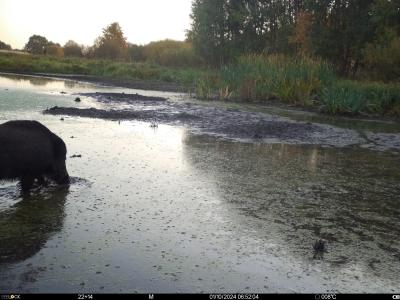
(300,81)
(351,97)
(293,80)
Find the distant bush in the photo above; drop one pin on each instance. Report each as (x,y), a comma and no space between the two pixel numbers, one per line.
(72,49)
(135,52)
(170,53)
(54,50)
(4,46)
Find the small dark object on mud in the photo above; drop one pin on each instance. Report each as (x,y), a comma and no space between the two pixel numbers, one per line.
(76,155)
(71,137)
(154,124)
(77,99)
(61,119)
(319,246)
(29,152)
(62,92)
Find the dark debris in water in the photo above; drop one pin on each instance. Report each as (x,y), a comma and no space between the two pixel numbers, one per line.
(125,114)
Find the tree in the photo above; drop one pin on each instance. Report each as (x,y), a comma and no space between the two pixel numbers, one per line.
(222,30)
(4,46)
(72,48)
(208,30)
(112,44)
(301,35)
(36,44)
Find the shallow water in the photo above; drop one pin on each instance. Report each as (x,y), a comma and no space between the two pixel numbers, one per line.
(165,210)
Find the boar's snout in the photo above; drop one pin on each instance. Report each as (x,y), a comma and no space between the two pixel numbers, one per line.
(64,179)
(61,174)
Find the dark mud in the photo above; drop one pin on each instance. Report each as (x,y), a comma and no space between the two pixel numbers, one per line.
(126,98)
(224,122)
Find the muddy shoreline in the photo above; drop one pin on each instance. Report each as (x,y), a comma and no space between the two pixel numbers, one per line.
(227,123)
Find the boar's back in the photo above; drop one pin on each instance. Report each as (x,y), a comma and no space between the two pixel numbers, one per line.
(28,147)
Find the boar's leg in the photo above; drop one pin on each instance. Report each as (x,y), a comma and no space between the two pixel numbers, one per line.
(26,184)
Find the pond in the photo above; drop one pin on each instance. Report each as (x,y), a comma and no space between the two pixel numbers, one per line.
(166,209)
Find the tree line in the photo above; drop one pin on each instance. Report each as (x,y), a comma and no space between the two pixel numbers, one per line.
(113,45)
(352,34)
(356,36)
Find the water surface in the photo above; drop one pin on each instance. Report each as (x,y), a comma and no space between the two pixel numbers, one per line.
(165,210)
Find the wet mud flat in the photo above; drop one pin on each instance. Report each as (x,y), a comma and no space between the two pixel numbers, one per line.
(225,122)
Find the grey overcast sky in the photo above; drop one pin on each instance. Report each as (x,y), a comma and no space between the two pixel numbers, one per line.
(142,21)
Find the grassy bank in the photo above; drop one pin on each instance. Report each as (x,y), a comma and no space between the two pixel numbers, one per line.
(102,68)
(296,81)
(300,81)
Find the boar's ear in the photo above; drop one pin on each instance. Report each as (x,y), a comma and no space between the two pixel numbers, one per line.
(60,150)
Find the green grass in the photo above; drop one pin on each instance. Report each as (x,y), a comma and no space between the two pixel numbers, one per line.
(352,97)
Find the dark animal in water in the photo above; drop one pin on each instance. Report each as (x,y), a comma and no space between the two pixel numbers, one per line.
(319,246)
(29,151)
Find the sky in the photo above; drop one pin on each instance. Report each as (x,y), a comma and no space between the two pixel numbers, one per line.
(142,21)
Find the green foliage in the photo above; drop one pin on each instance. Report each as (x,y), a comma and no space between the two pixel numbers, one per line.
(383,61)
(337,31)
(135,52)
(4,46)
(356,97)
(208,30)
(205,86)
(37,44)
(170,53)
(112,44)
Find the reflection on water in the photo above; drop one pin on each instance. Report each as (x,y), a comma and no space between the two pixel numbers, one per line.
(294,195)
(23,82)
(26,226)
(56,86)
